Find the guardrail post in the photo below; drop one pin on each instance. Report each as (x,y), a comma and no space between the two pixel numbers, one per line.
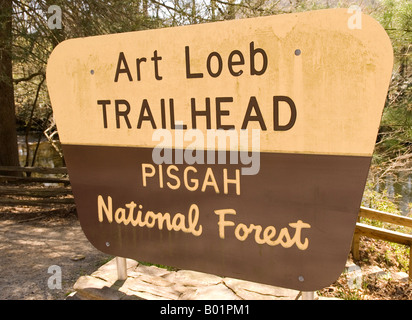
(410,262)
(355,246)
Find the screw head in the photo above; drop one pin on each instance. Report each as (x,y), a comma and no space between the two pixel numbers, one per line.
(107,244)
(301,278)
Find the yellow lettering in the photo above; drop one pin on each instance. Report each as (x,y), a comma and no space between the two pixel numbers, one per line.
(258,229)
(161,218)
(299,225)
(160,176)
(170,175)
(131,207)
(222,222)
(119,215)
(194,181)
(147,174)
(138,221)
(211,182)
(150,215)
(174,177)
(235,181)
(242,232)
(108,210)
(179,222)
(284,234)
(193,220)
(268,234)
(244,229)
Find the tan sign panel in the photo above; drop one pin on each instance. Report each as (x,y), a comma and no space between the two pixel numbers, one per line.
(304,92)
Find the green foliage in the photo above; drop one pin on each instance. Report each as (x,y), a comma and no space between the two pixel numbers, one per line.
(168,268)
(348,294)
(379,200)
(395,135)
(401,254)
(382,201)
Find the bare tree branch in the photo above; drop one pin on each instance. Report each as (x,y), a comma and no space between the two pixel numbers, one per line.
(28,78)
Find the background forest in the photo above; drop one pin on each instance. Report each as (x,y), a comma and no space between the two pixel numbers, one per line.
(26,41)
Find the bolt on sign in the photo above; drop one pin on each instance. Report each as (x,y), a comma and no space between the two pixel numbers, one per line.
(239,148)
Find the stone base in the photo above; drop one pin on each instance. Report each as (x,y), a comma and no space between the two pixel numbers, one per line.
(153,283)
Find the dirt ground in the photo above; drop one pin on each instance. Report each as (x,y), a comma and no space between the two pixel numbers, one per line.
(33,239)
(375,253)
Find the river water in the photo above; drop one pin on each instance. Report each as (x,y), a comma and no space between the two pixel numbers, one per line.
(47,156)
(399,190)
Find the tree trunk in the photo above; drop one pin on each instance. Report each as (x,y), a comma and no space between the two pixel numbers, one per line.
(8,135)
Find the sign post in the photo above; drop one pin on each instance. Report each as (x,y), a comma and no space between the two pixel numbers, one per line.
(239,148)
(121,266)
(308,295)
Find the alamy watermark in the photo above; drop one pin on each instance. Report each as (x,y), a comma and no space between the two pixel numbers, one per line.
(239,147)
(354,278)
(55,280)
(355,20)
(55,20)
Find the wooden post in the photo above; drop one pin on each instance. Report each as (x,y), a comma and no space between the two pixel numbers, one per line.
(121,268)
(355,246)
(410,262)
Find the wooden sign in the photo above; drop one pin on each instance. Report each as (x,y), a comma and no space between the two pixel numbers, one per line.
(239,148)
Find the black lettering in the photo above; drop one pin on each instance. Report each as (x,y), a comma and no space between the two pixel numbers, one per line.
(187,59)
(143,117)
(232,63)
(220,64)
(163,112)
(156,59)
(103,103)
(253,105)
(253,52)
(122,113)
(292,120)
(205,113)
(172,116)
(220,113)
(138,62)
(122,59)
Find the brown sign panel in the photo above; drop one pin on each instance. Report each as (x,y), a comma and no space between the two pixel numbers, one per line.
(239,148)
